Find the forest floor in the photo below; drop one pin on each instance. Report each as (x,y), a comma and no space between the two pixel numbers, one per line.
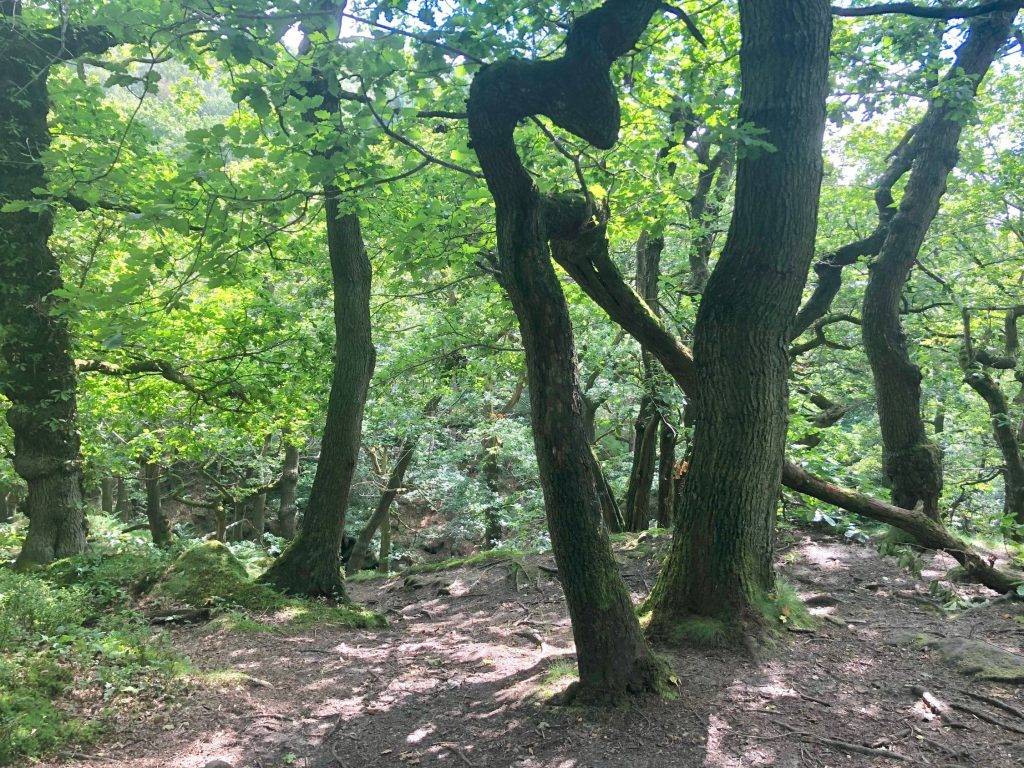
(462,676)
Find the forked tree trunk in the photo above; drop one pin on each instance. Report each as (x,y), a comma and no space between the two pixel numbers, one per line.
(38,372)
(357,557)
(311,565)
(575,91)
(107,485)
(286,489)
(720,566)
(159,526)
(912,462)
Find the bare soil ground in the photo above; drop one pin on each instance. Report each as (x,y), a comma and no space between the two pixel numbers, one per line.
(462,675)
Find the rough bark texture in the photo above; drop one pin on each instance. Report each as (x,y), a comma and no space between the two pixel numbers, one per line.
(705,206)
(311,565)
(123,503)
(720,565)
(384,560)
(37,373)
(912,462)
(575,91)
(159,526)
(611,514)
(286,489)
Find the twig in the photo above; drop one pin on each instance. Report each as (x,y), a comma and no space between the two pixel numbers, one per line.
(845,745)
(997,703)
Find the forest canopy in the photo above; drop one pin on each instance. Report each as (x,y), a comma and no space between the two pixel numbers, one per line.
(295,296)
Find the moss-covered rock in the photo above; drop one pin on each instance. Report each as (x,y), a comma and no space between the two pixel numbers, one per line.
(209,573)
(969,656)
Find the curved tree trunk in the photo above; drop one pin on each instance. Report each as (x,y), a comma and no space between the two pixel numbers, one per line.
(311,565)
(286,488)
(576,92)
(720,565)
(912,462)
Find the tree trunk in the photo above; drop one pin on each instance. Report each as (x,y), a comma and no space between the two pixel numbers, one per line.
(357,556)
(666,473)
(159,526)
(384,560)
(912,462)
(491,470)
(575,91)
(123,503)
(286,489)
(255,517)
(311,565)
(720,566)
(6,507)
(107,485)
(641,476)
(38,375)
(610,512)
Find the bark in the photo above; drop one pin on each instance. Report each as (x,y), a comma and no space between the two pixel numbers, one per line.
(6,506)
(912,462)
(666,473)
(38,373)
(286,488)
(107,485)
(123,504)
(720,565)
(641,476)
(575,91)
(611,514)
(311,565)
(492,472)
(357,557)
(159,526)
(384,561)
(705,206)
(255,516)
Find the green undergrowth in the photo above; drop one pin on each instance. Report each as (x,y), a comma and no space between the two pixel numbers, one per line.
(73,650)
(480,558)
(641,544)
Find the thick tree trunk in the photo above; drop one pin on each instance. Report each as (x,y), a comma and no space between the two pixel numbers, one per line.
(311,565)
(159,526)
(38,373)
(720,565)
(107,485)
(357,557)
(912,462)
(286,490)
(255,517)
(575,91)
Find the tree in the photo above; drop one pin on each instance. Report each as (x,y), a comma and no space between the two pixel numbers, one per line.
(576,93)
(38,375)
(720,566)
(913,464)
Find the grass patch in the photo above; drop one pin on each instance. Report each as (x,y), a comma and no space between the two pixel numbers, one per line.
(785,609)
(556,678)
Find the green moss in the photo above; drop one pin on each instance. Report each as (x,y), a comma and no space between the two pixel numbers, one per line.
(305,613)
(556,678)
(209,574)
(480,558)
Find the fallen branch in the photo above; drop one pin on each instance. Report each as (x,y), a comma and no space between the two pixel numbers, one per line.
(845,745)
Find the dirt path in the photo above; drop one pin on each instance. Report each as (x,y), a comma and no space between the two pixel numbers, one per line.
(460,677)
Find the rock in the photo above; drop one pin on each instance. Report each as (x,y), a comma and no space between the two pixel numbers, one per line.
(820,601)
(208,573)
(218,764)
(968,656)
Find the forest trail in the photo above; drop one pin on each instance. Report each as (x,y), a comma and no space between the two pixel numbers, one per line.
(460,678)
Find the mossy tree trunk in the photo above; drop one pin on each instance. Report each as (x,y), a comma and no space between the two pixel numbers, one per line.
(37,374)
(576,92)
(720,565)
(666,473)
(286,490)
(159,525)
(912,462)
